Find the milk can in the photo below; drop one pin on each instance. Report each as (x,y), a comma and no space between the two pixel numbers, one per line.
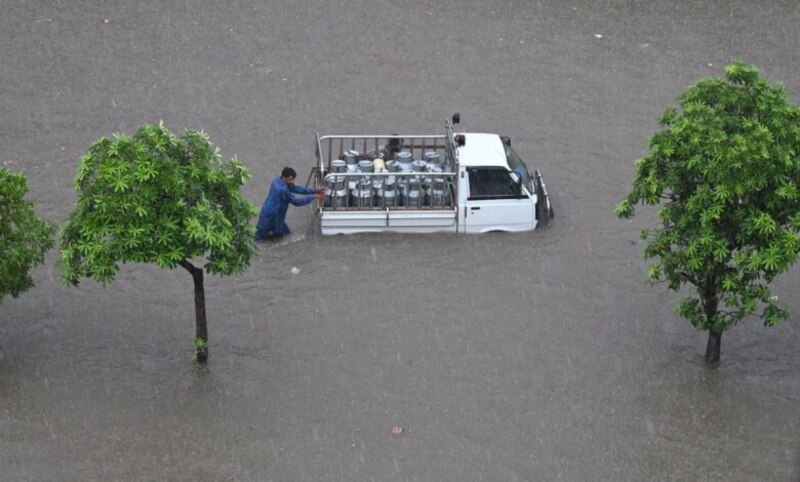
(433,158)
(387,197)
(336,198)
(351,157)
(335,182)
(405,158)
(361,195)
(386,193)
(338,165)
(411,194)
(365,166)
(438,194)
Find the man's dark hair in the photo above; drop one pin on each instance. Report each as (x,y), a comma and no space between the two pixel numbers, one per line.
(288,172)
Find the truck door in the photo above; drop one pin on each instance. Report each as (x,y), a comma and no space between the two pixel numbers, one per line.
(496,202)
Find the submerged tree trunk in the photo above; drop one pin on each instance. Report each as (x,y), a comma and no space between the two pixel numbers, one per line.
(713,346)
(710,306)
(201,328)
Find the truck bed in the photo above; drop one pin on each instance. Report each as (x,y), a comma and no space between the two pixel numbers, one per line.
(389,199)
(349,221)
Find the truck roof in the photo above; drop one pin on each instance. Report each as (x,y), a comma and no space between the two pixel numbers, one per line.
(482,150)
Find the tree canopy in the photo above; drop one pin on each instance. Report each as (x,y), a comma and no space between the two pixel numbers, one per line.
(156,198)
(725,169)
(24,237)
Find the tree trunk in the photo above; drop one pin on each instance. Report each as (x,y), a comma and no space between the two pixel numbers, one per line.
(201,328)
(713,346)
(710,305)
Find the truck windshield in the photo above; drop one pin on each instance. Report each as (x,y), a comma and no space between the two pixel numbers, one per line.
(491,183)
(519,167)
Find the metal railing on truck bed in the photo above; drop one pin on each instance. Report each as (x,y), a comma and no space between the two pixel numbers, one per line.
(378,172)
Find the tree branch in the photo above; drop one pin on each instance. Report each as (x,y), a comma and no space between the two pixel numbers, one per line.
(188,266)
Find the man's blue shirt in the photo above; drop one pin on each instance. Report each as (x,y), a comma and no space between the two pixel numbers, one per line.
(272,219)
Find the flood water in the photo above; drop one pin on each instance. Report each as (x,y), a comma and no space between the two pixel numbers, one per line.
(501,357)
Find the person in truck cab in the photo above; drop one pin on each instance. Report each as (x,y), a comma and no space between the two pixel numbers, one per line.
(282,192)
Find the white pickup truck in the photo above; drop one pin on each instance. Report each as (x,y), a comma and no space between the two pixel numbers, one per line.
(456,182)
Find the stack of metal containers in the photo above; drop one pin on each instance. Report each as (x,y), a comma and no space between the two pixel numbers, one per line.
(415,185)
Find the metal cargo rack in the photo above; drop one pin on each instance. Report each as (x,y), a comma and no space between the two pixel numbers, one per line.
(369,147)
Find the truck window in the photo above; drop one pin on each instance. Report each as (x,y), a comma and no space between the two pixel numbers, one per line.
(519,167)
(491,183)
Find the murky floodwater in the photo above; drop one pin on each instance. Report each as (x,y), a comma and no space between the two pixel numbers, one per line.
(538,356)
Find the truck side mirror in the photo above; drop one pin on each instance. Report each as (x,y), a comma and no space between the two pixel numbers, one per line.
(456,118)
(506,140)
(515,188)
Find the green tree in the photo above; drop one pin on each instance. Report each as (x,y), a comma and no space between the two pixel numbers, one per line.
(725,169)
(157,198)
(24,238)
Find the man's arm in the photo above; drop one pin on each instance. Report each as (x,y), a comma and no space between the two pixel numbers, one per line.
(295,199)
(301,189)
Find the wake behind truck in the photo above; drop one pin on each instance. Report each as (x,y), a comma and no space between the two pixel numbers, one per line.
(455,182)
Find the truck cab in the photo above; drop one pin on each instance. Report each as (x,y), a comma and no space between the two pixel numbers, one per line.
(495,186)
